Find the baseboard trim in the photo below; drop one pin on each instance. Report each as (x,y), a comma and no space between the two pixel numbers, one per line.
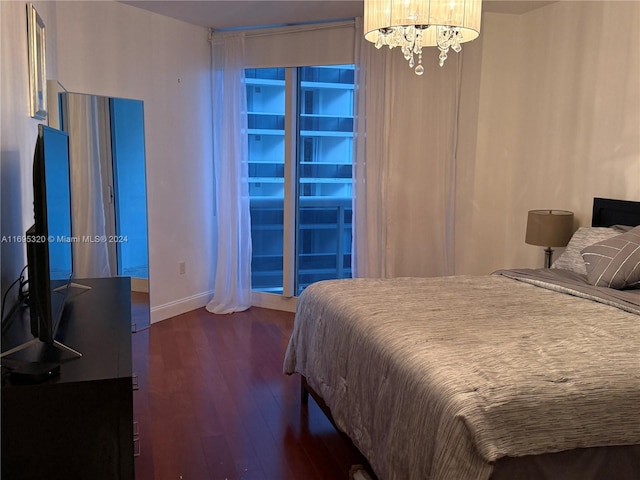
(178,307)
(184,305)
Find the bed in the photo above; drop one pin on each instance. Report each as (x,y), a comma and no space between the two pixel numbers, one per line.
(522,374)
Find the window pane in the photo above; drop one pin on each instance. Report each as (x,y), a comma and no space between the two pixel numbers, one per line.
(325,145)
(266,106)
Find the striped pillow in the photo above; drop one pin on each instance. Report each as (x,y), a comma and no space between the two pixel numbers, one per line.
(615,262)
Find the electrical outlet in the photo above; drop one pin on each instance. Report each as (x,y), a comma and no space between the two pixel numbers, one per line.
(182,268)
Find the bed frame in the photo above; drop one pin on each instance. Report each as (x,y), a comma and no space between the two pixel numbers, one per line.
(305,391)
(624,461)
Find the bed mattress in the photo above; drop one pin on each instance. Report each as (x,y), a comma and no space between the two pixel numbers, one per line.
(437,378)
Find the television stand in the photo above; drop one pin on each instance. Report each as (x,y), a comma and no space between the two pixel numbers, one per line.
(65,290)
(72,284)
(35,341)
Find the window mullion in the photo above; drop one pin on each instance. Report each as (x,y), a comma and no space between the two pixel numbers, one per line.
(290,181)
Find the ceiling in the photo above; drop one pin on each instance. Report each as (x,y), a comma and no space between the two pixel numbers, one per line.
(225,14)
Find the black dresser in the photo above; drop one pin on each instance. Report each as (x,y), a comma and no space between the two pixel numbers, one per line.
(79,423)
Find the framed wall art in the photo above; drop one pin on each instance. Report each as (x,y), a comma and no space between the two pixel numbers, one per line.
(37,70)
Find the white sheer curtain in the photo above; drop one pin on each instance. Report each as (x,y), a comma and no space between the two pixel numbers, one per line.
(405,157)
(90,259)
(232,288)
(369,165)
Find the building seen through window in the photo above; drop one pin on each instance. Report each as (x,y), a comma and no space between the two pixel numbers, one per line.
(319,157)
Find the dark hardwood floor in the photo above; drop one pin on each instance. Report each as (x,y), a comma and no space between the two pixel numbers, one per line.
(213,403)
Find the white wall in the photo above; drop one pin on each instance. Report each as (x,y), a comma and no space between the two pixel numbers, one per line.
(108,48)
(18,132)
(558,122)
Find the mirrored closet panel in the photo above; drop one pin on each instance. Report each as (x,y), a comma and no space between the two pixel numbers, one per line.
(108,191)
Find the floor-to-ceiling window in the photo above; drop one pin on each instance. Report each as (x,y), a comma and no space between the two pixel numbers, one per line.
(300,156)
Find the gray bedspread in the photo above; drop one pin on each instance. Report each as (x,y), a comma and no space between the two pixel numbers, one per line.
(435,378)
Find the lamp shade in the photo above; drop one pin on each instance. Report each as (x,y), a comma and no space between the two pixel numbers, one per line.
(381,15)
(549,228)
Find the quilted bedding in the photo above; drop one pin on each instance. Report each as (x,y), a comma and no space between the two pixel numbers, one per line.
(436,378)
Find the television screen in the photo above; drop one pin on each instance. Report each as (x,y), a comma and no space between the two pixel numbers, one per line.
(49,248)
(58,202)
(49,240)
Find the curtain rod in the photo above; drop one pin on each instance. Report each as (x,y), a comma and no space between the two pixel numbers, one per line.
(275,29)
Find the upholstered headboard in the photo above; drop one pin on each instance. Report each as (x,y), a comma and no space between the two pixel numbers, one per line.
(608,212)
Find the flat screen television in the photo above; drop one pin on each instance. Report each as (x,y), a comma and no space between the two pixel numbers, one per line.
(49,240)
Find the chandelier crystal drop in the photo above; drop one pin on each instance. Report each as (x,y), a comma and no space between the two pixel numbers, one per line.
(414,24)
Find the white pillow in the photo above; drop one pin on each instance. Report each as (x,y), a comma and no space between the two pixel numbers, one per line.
(571,259)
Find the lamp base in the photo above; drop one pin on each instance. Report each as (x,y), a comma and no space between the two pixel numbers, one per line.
(548,254)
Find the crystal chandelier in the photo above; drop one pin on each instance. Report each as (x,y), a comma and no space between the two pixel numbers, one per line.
(413,24)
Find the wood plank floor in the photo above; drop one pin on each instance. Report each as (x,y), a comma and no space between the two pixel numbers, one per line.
(213,403)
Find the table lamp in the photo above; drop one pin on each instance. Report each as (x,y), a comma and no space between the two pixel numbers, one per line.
(549,228)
